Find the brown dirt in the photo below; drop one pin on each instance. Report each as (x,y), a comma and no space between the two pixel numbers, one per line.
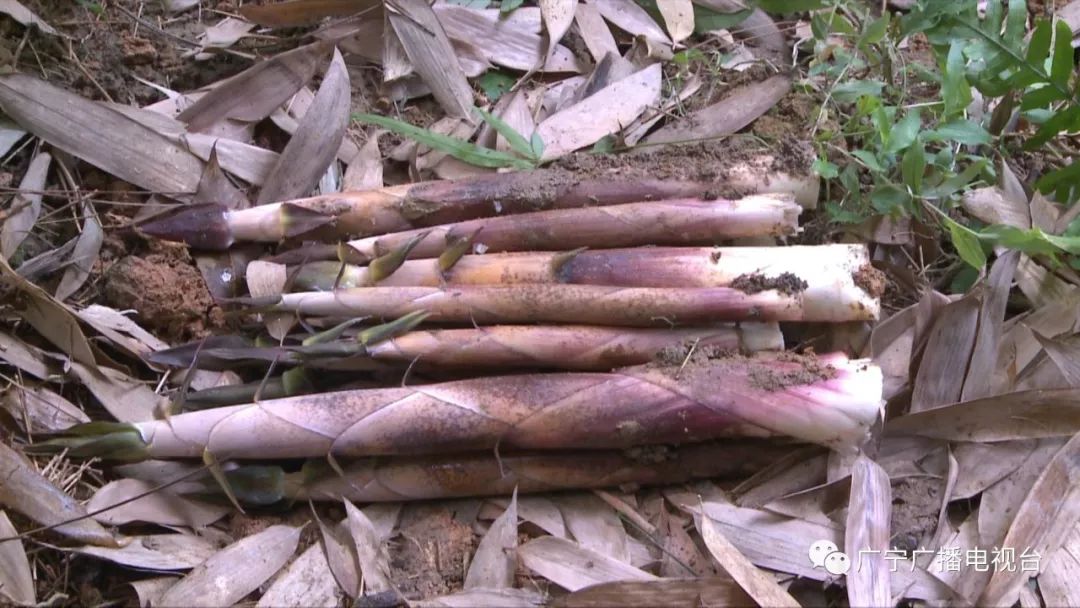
(430,558)
(871,280)
(786,283)
(166,291)
(915,506)
(701,162)
(810,370)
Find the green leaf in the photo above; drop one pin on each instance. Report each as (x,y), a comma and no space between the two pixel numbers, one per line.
(1031,242)
(966,243)
(536,145)
(825,169)
(458,148)
(913,166)
(953,184)
(962,131)
(839,215)
(1040,97)
(495,84)
(604,145)
(955,90)
(1064,182)
(707,20)
(852,90)
(1039,45)
(507,6)
(517,141)
(869,160)
(964,280)
(875,31)
(1065,120)
(1062,65)
(788,6)
(904,132)
(889,198)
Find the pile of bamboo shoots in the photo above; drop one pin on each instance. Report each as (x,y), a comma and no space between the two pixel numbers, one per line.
(469,337)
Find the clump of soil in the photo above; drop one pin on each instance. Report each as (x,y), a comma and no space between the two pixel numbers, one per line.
(870,279)
(808,370)
(785,283)
(165,290)
(430,558)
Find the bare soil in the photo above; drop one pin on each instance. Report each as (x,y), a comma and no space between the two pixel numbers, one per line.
(786,283)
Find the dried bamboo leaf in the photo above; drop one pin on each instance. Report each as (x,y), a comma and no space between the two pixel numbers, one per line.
(991,205)
(495,561)
(26,491)
(161,507)
(10,134)
(30,359)
(149,590)
(672,592)
(340,552)
(25,205)
(54,321)
(1040,286)
(557,16)
(371,552)
(40,410)
(365,170)
(84,256)
(757,30)
(757,584)
(984,355)
(867,530)
(632,19)
(26,17)
(314,145)
(126,398)
(267,279)
(946,356)
(156,552)
(542,512)
(594,525)
(797,471)
(220,35)
(215,187)
(981,465)
(253,94)
(594,32)
(1050,510)
(604,113)
(431,53)
(512,41)
(1066,356)
(16,579)
(293,13)
(502,598)
(574,567)
(306,582)
(236,570)
(678,17)
(1057,582)
(736,110)
(99,135)
(1022,415)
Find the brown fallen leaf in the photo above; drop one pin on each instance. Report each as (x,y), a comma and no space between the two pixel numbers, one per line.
(594,32)
(736,110)
(633,19)
(867,531)
(162,507)
(1021,415)
(512,40)
(365,170)
(678,17)
(84,256)
(16,579)
(54,321)
(127,399)
(267,279)
(156,552)
(761,586)
(253,94)
(17,11)
(946,355)
(99,135)
(149,590)
(495,561)
(594,525)
(235,571)
(981,465)
(306,12)
(799,470)
(432,55)
(1057,582)
(557,15)
(574,567)
(340,552)
(672,592)
(604,113)
(25,207)
(1064,353)
(992,205)
(315,143)
(1050,511)
(984,354)
(305,582)
(371,551)
(26,491)
(757,30)
(503,598)
(39,409)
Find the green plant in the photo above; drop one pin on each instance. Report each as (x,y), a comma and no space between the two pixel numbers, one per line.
(911,151)
(528,151)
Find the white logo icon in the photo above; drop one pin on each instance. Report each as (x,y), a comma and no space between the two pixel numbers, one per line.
(825,554)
